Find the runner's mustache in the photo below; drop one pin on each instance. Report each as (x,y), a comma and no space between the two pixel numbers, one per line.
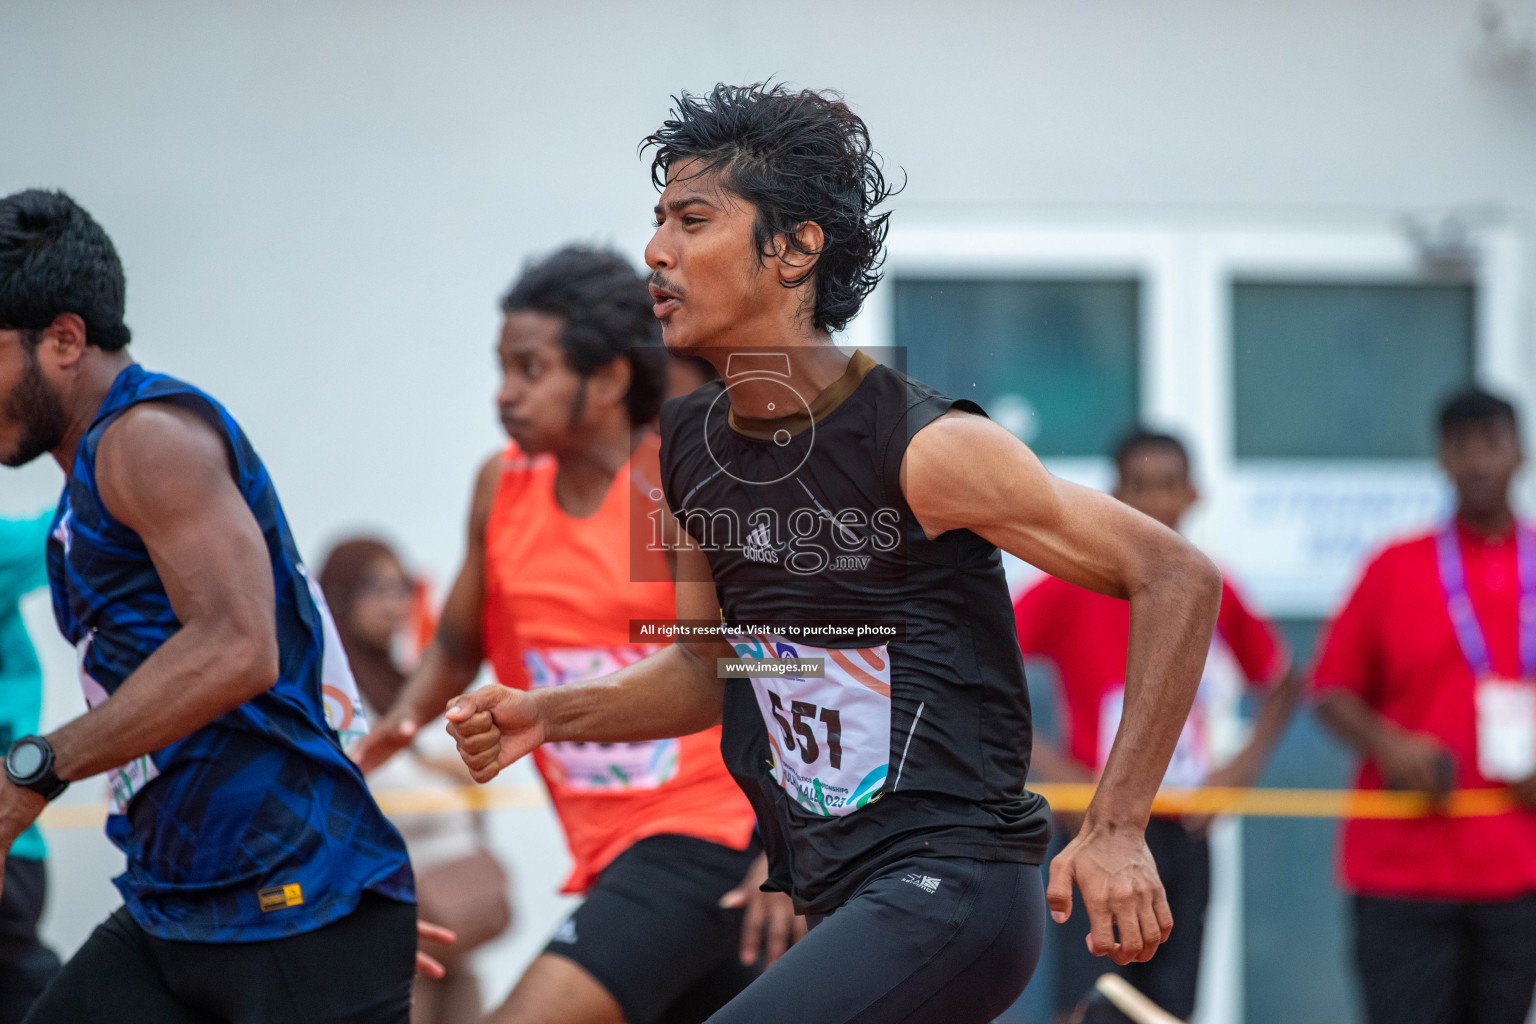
(658,281)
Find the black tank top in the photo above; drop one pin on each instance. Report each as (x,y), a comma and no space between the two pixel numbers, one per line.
(917,737)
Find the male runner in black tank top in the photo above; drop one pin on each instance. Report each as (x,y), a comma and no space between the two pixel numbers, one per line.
(809,485)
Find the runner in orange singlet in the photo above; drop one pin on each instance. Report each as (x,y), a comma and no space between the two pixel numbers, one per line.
(659,832)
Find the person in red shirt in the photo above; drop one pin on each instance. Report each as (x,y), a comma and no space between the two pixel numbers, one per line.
(661,836)
(1429,672)
(1086,635)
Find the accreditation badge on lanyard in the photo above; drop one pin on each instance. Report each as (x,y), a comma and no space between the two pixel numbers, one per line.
(1506,708)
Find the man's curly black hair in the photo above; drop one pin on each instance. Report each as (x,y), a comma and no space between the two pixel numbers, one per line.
(55,259)
(607,311)
(796,156)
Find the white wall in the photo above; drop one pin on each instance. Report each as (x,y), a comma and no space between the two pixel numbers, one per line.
(318,203)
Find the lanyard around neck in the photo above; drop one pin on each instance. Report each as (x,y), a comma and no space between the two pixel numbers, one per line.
(1458,602)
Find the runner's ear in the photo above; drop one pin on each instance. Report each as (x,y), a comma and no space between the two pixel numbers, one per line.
(795,254)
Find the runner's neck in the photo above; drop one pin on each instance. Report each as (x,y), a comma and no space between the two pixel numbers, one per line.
(584,477)
(99,371)
(756,373)
(827,399)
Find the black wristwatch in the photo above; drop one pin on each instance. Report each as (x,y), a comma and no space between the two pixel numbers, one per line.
(29,764)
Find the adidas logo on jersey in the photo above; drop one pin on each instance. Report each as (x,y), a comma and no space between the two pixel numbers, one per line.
(927,883)
(759,545)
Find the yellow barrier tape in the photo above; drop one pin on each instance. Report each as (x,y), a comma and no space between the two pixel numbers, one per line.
(1253,803)
(1296,803)
(431,800)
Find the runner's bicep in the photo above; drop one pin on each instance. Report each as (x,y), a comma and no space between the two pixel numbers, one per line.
(697,604)
(164,473)
(459,626)
(966,472)
(1085,537)
(459,632)
(697,600)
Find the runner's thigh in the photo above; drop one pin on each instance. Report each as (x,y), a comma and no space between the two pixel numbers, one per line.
(945,940)
(651,928)
(729,977)
(113,979)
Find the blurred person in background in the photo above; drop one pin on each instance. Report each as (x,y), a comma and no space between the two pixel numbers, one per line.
(1429,673)
(459,883)
(1085,637)
(26,965)
(551,580)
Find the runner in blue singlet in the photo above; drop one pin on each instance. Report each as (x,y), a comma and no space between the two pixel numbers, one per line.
(262,883)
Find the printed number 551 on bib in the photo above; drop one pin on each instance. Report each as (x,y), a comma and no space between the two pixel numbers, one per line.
(830,735)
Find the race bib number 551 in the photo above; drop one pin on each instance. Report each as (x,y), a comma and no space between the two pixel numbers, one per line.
(831,735)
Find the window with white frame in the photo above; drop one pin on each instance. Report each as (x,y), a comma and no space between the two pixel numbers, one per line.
(1345,369)
(1054,361)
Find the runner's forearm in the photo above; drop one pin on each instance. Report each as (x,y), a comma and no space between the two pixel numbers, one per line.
(1172,617)
(674,692)
(197,675)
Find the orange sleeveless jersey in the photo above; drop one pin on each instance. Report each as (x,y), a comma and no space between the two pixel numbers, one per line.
(558,601)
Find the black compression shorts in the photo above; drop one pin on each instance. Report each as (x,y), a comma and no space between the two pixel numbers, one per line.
(652,933)
(357,970)
(928,940)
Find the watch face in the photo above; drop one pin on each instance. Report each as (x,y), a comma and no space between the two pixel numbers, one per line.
(24,760)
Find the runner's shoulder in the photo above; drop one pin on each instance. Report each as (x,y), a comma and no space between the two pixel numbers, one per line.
(156,449)
(499,478)
(158,429)
(487,479)
(512,464)
(682,442)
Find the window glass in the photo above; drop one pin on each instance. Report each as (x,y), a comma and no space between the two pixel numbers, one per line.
(1346,370)
(1054,361)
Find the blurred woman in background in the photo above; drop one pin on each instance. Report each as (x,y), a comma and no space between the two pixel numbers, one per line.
(381,616)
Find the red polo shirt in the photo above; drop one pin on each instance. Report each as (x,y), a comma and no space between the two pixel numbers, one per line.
(1086,636)
(1393,646)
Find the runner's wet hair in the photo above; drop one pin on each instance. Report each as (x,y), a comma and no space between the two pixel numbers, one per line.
(1140,439)
(1475,407)
(606,307)
(55,259)
(798,157)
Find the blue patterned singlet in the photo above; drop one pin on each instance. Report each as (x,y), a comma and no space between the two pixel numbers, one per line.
(256,825)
